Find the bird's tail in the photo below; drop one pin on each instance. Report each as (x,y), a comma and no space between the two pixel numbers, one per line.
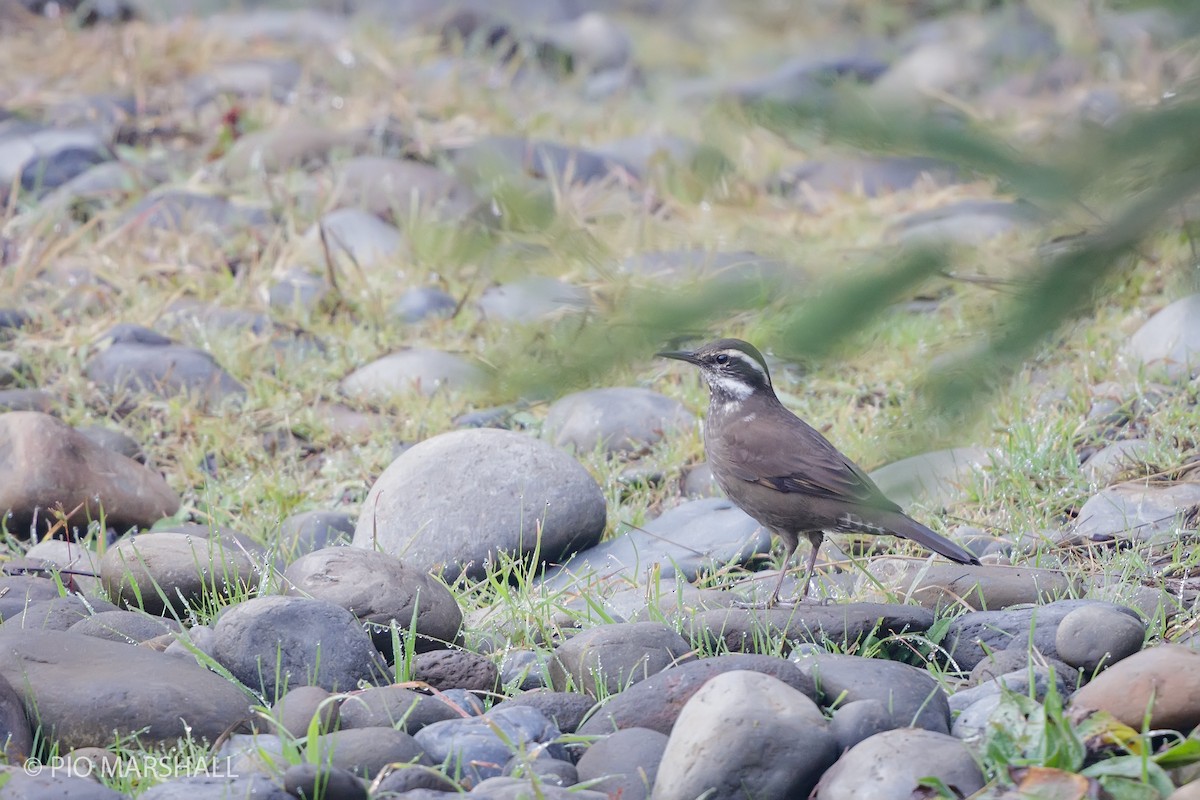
(906,527)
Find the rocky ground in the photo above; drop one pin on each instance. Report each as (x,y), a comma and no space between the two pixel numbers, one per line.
(292,513)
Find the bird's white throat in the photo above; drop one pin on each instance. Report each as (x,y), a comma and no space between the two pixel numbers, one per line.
(729,389)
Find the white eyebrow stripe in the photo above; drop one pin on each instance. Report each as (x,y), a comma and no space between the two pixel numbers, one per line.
(753,362)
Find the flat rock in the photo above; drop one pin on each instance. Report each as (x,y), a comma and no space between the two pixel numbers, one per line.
(360,237)
(18,592)
(1148,513)
(395,189)
(507,788)
(380,591)
(478,747)
(318,780)
(745,734)
(1164,680)
(170,573)
(394,707)
(890,766)
(459,500)
(45,465)
(529,299)
(740,629)
(1124,458)
(419,370)
(689,540)
(129,627)
(655,703)
(624,764)
(19,784)
(968,222)
(615,419)
(940,585)
(135,363)
(87,690)
(366,751)
(911,696)
(275,643)
(971,636)
(1170,340)
(931,479)
(57,613)
(218,787)
(606,659)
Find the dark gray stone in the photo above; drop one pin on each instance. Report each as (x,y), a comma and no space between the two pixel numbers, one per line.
(57,613)
(309,531)
(971,636)
(911,695)
(84,690)
(26,400)
(606,659)
(542,768)
(129,367)
(17,592)
(624,764)
(361,238)
(427,506)
(394,707)
(525,670)
(889,765)
(294,712)
(781,747)
(1019,657)
(1095,637)
(217,787)
(873,176)
(456,669)
(168,573)
(740,629)
(273,644)
(565,709)
(129,627)
(477,747)
(859,719)
(366,751)
(321,782)
(115,440)
(16,736)
(19,784)
(968,222)
(47,157)
(179,211)
(411,779)
(655,702)
(380,591)
(1141,513)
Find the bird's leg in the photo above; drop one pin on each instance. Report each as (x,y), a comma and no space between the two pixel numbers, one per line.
(790,543)
(815,538)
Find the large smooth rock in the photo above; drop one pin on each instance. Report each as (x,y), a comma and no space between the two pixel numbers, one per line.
(379,590)
(419,370)
(889,765)
(88,691)
(394,188)
(619,419)
(1163,680)
(359,237)
(606,659)
(366,751)
(1095,637)
(275,643)
(655,703)
(458,501)
(46,465)
(162,573)
(531,298)
(393,707)
(477,747)
(1170,340)
(745,734)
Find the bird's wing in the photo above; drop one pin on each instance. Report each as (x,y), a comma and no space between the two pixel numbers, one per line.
(799,460)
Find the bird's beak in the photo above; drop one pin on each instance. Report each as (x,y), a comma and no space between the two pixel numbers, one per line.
(679,355)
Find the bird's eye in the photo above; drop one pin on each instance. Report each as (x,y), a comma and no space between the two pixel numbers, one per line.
(722,359)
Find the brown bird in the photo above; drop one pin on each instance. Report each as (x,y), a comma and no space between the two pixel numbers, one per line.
(784,473)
